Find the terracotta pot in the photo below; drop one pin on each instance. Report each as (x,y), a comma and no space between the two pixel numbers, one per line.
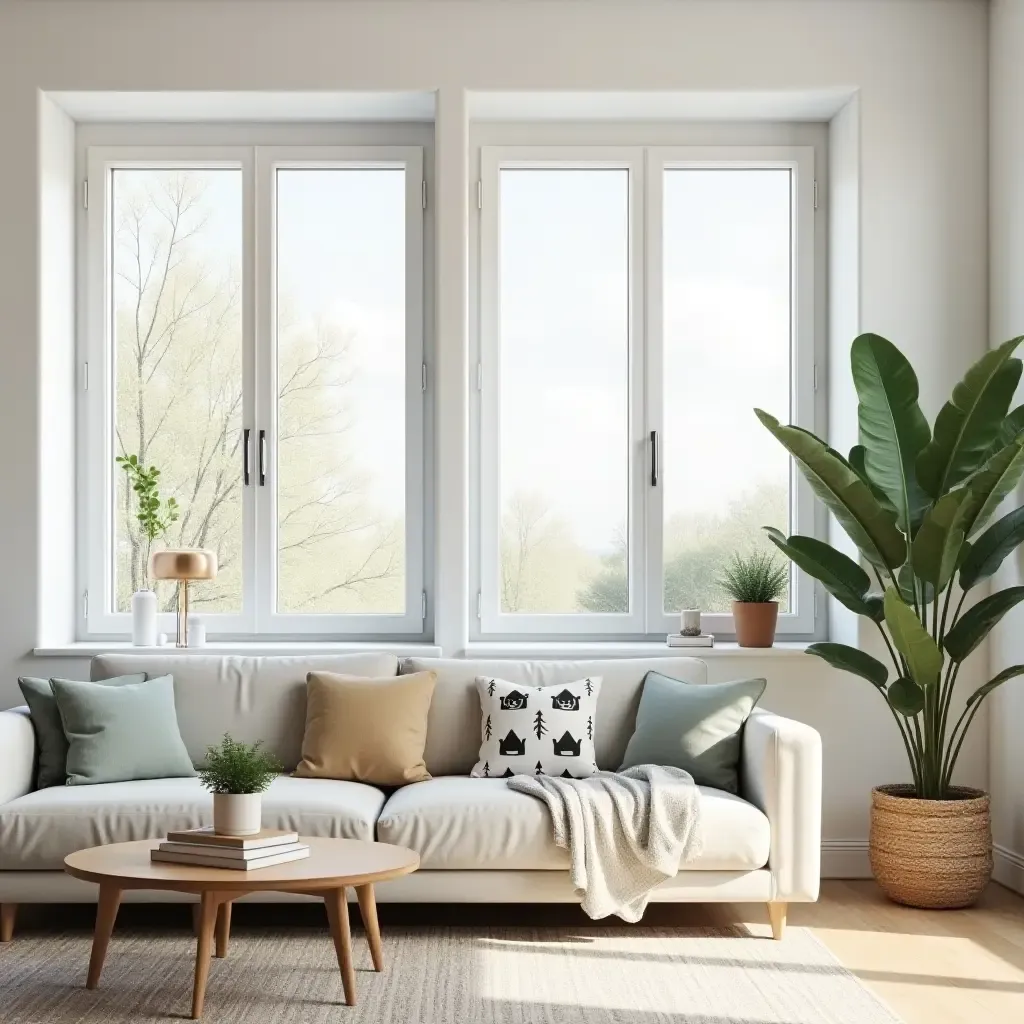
(237,814)
(755,622)
(931,853)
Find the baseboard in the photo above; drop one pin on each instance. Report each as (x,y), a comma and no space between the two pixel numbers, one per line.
(1008,867)
(845,858)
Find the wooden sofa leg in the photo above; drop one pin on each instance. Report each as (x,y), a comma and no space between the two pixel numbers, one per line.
(7,915)
(777,916)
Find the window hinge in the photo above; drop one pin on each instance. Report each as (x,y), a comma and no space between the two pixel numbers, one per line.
(423,377)
(423,606)
(479,605)
(815,193)
(85,194)
(423,192)
(479,376)
(479,195)
(85,605)
(815,376)
(85,376)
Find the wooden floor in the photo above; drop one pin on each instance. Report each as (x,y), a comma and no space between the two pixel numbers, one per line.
(930,967)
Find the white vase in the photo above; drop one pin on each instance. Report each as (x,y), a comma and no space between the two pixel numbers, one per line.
(196,630)
(144,618)
(237,814)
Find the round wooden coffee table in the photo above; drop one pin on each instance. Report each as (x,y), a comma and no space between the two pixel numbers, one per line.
(332,866)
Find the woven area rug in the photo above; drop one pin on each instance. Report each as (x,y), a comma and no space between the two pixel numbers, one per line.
(632,975)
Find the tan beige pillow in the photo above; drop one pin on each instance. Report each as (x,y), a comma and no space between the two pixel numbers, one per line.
(366,730)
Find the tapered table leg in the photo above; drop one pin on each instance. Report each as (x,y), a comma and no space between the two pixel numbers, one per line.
(106,914)
(337,914)
(223,928)
(204,947)
(368,910)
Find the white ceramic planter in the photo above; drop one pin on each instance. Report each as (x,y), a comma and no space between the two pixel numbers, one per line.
(144,618)
(237,814)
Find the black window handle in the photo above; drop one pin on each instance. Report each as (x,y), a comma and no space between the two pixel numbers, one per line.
(655,459)
(245,456)
(263,457)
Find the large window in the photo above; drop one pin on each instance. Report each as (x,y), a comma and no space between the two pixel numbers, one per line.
(635,306)
(254,333)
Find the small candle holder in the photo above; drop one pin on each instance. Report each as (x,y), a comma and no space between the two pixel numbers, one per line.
(689,622)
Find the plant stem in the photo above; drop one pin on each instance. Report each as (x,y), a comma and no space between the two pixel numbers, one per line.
(912,751)
(947,774)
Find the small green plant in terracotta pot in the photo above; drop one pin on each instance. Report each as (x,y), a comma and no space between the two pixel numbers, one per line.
(237,774)
(755,583)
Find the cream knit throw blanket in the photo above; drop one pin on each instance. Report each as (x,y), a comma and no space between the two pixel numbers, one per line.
(625,832)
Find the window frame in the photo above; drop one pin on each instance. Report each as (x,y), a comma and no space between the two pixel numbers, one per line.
(646,620)
(94,456)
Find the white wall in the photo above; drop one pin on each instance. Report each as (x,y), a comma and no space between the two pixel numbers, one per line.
(1006,755)
(918,138)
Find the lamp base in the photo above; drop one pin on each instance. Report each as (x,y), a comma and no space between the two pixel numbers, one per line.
(181,639)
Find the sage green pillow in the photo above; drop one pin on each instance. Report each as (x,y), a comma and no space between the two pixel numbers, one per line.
(51,743)
(121,733)
(694,726)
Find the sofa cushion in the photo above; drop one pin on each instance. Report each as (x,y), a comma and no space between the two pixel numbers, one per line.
(251,698)
(458,823)
(39,830)
(453,728)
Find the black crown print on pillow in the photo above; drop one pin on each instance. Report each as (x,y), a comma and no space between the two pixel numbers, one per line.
(537,730)
(511,745)
(565,701)
(566,746)
(513,701)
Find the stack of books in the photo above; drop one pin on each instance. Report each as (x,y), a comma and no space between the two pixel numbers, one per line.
(678,640)
(203,847)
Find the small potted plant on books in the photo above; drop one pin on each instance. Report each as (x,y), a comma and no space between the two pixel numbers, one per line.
(755,583)
(237,774)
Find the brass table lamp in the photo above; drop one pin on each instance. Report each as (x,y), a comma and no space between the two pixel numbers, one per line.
(183,564)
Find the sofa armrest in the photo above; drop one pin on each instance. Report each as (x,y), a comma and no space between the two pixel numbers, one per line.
(17,754)
(781,774)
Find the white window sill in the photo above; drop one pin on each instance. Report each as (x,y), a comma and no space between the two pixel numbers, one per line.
(554,650)
(87,648)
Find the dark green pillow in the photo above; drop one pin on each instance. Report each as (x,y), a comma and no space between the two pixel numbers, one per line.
(121,733)
(693,726)
(50,739)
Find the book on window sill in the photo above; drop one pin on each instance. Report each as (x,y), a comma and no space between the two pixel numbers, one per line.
(227,853)
(207,837)
(678,640)
(205,860)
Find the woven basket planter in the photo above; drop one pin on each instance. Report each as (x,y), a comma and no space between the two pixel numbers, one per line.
(934,854)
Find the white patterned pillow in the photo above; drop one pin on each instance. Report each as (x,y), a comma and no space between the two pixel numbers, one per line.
(537,730)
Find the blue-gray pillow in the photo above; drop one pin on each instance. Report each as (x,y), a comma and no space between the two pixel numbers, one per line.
(694,726)
(51,743)
(121,733)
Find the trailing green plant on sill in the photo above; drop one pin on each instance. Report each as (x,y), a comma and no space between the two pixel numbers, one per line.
(754,579)
(238,768)
(917,503)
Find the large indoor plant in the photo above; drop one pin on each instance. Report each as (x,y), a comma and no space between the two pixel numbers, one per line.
(237,774)
(918,504)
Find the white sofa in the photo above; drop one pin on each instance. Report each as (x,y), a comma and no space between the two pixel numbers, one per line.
(478,840)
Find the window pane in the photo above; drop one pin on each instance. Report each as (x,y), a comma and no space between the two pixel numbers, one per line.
(727,342)
(177,354)
(341,390)
(564,332)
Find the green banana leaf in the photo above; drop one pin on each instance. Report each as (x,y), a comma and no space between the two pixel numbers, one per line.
(968,424)
(935,550)
(912,640)
(906,697)
(991,548)
(893,430)
(905,580)
(850,659)
(975,624)
(983,691)
(841,576)
(857,456)
(870,526)
(993,482)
